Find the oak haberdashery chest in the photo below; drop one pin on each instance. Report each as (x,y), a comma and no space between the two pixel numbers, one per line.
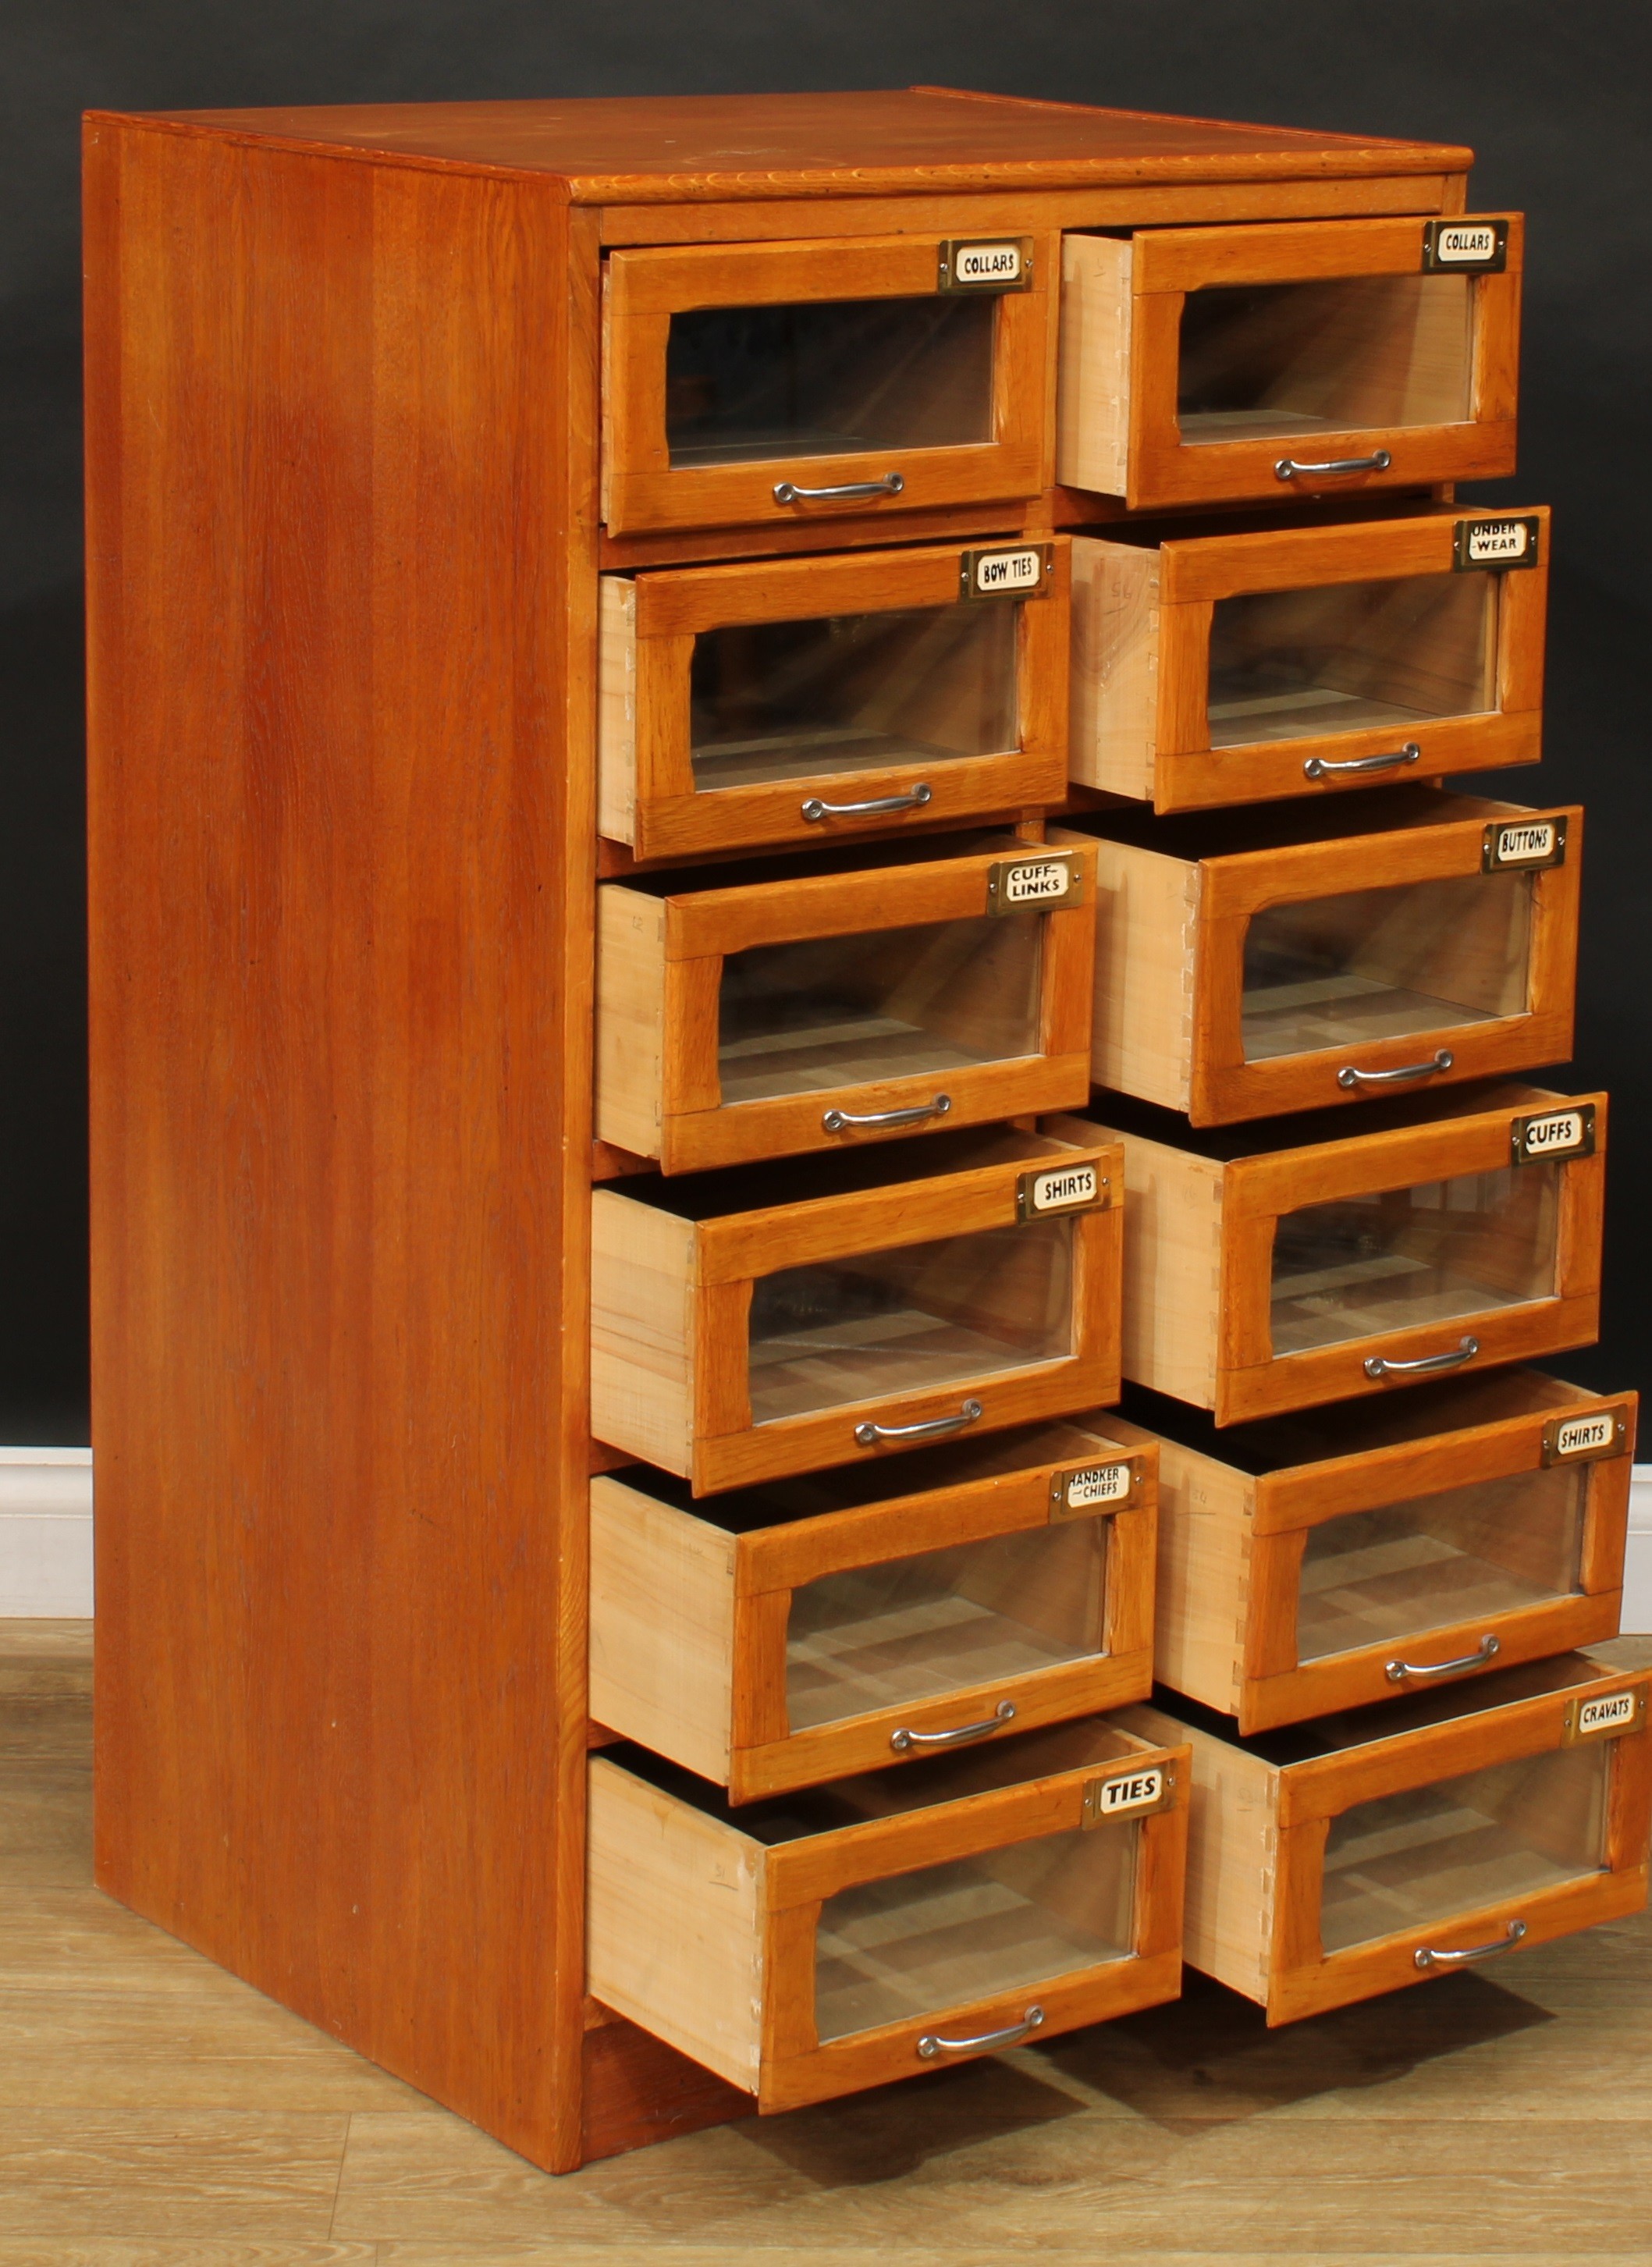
(768,818)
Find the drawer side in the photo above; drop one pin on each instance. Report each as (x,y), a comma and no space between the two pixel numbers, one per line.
(642,1334)
(1146,931)
(674,1923)
(1115,666)
(630,1018)
(662,1627)
(616,708)
(1093,411)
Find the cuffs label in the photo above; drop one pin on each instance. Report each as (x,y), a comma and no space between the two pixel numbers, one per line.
(1553,1133)
(1494,543)
(1479,247)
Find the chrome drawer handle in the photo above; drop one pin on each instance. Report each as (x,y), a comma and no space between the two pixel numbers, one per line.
(903,1740)
(1351,766)
(1398,1672)
(1426,1957)
(1289,468)
(1350,1077)
(815,809)
(890,484)
(868,1436)
(839,1121)
(1464,1351)
(930,2045)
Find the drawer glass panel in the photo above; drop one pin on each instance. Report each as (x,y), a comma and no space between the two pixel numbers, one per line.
(947,1935)
(882,1323)
(841,1011)
(1350,657)
(1398,1259)
(1374,1577)
(1369,964)
(1354,354)
(1405,1861)
(875,1637)
(827,377)
(843,692)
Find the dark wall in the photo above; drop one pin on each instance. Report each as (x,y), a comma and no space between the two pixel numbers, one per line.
(1554,99)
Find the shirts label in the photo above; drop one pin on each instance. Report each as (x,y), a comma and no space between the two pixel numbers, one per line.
(1059,1188)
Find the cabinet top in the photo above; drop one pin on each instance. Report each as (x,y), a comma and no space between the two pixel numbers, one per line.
(670,149)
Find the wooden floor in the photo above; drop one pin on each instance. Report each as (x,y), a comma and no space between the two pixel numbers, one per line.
(155,2113)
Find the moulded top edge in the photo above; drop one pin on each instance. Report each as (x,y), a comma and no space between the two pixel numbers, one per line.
(674,148)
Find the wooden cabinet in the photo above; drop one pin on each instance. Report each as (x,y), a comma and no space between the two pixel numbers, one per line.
(788,1633)
(1281,959)
(1202,365)
(802,699)
(772,383)
(893,1923)
(749,1324)
(1311,1259)
(754,1013)
(1235,667)
(1350,1856)
(1326,1560)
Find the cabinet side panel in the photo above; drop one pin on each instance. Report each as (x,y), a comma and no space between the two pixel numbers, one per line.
(340,824)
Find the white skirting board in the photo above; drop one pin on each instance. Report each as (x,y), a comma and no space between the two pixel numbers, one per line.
(46,1532)
(46,1537)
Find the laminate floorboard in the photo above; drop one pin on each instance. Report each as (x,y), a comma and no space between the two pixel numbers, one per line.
(154,2112)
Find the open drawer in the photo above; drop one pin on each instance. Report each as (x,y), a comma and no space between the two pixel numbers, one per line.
(1307,1259)
(1198,365)
(1216,669)
(797,699)
(773,1320)
(743,1013)
(1335,1558)
(825,1942)
(1332,1860)
(787,1634)
(1254,964)
(769,383)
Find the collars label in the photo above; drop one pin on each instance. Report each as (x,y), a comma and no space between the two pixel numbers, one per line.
(1480,246)
(1001,263)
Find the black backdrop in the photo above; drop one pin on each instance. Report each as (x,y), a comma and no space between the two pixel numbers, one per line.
(1552,98)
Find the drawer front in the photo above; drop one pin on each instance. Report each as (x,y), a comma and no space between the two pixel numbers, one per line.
(822,700)
(882,1927)
(766,384)
(1300,660)
(1204,365)
(954,1298)
(1454,1844)
(1419,1565)
(1443,964)
(1390,1257)
(827,1011)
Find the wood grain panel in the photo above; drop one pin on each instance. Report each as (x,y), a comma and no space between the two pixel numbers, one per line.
(341,843)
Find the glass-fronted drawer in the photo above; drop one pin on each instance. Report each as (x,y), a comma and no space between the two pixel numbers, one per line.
(743,1014)
(1332,1860)
(1331,1559)
(788,1633)
(770,1320)
(1257,963)
(1312,1258)
(769,383)
(830,1940)
(1200,365)
(1293,661)
(810,699)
